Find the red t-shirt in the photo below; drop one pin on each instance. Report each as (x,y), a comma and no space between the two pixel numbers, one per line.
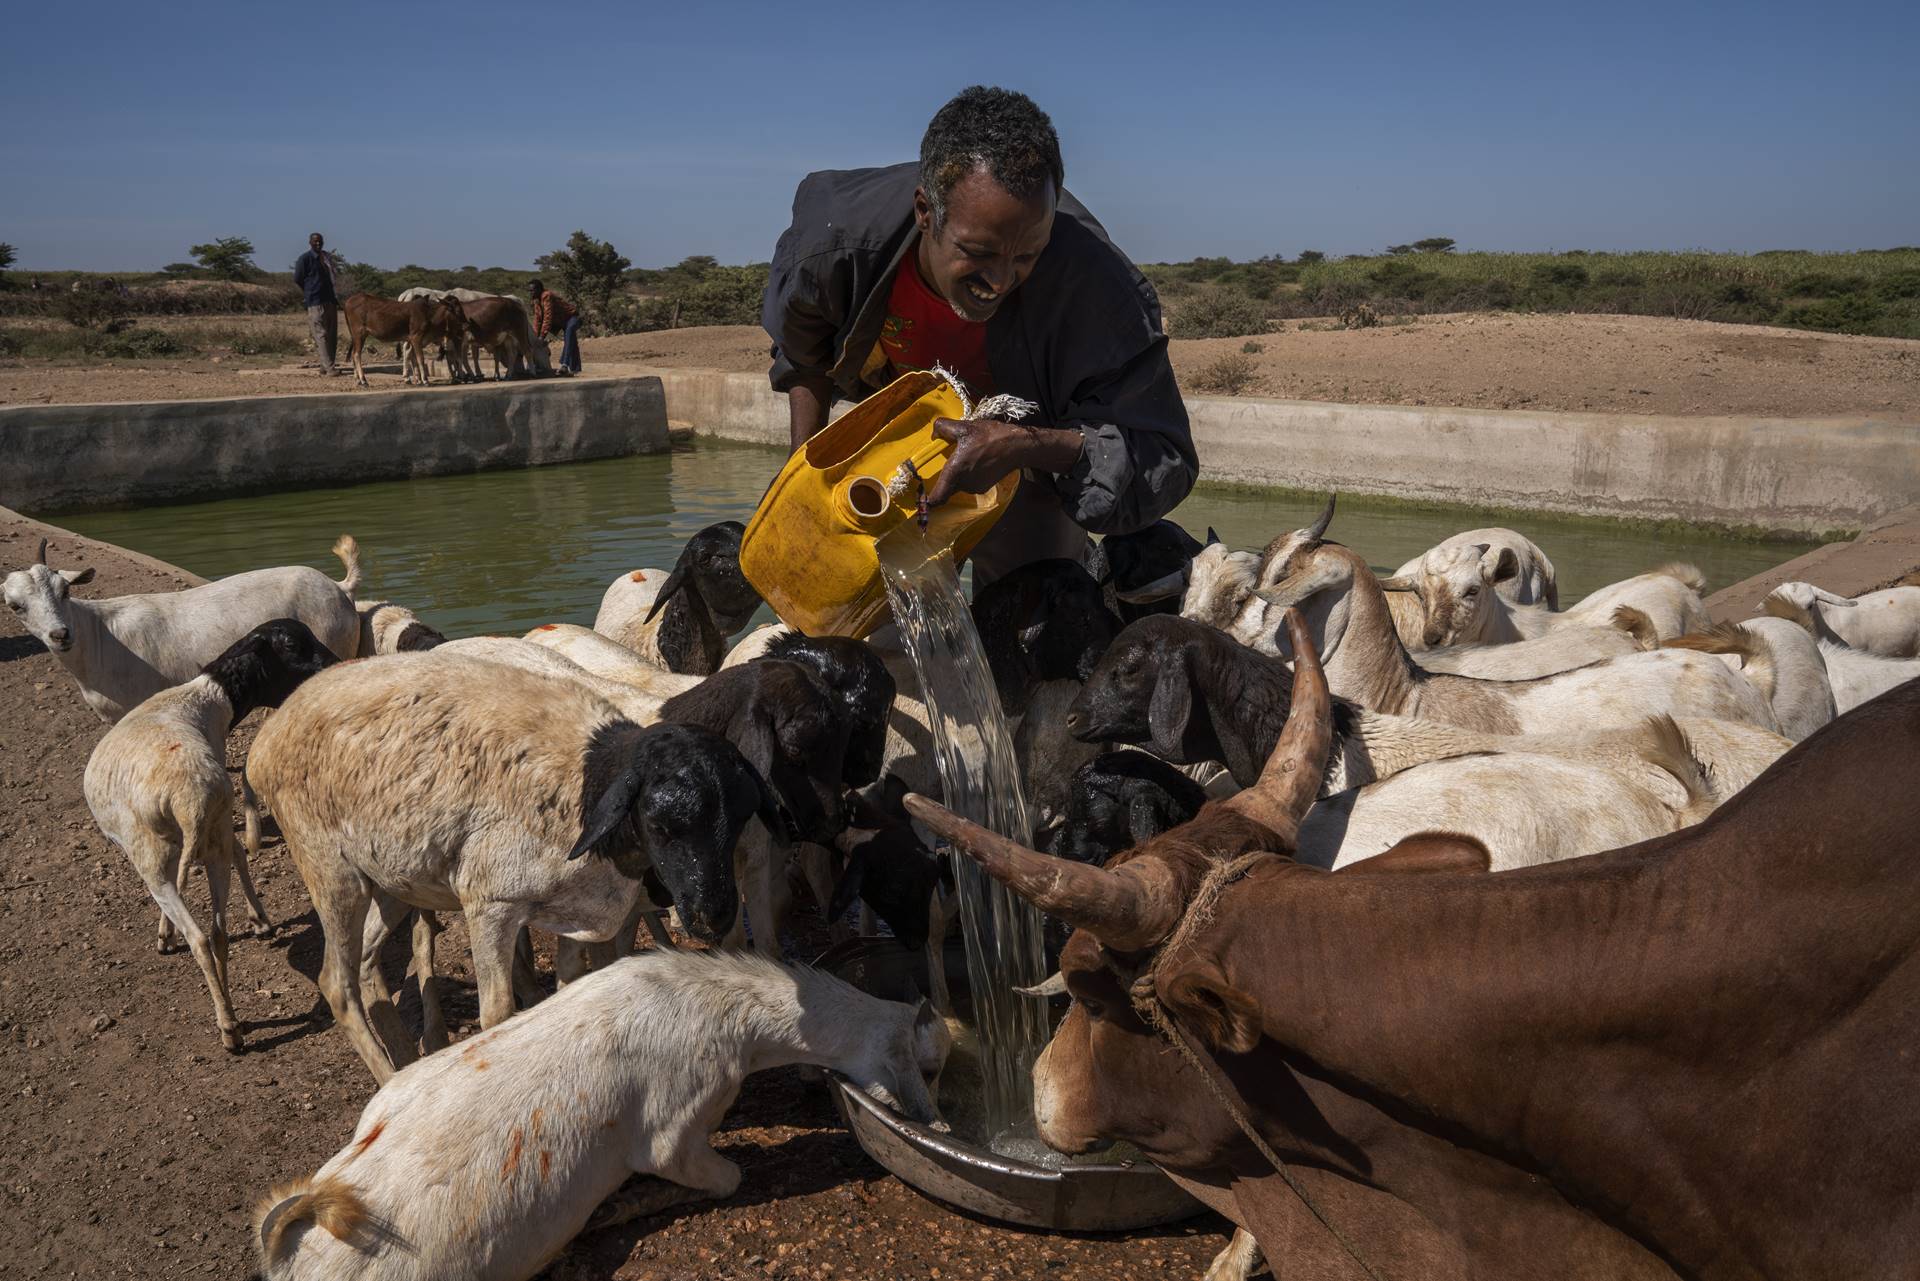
(922,330)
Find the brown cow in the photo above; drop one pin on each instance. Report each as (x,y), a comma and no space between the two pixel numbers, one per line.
(501,326)
(417,323)
(1700,1045)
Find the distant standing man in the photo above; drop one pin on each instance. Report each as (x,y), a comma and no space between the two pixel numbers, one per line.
(977,260)
(553,314)
(314,274)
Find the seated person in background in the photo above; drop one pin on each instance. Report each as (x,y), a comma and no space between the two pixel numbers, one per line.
(978,260)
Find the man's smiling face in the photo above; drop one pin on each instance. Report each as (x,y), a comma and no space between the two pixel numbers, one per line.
(987,244)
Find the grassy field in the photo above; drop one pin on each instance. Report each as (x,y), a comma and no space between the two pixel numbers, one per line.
(1870,292)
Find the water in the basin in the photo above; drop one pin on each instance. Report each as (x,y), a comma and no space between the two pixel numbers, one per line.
(501,551)
(974,754)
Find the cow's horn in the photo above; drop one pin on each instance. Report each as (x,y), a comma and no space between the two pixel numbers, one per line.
(1055,985)
(40,557)
(1290,780)
(1130,908)
(1318,529)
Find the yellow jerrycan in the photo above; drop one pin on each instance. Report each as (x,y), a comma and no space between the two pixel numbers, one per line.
(809,549)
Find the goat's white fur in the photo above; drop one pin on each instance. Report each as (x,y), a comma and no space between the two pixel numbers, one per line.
(1886,623)
(483,1160)
(123,650)
(157,786)
(1365,663)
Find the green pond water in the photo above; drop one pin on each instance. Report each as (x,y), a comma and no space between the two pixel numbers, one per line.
(502,551)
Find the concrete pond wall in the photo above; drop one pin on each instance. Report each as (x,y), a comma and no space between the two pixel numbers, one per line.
(1792,475)
(60,458)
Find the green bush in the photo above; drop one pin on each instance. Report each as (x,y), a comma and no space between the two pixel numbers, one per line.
(1253,348)
(1559,275)
(1400,278)
(1825,284)
(263,342)
(1215,312)
(9,343)
(138,343)
(1900,284)
(1848,315)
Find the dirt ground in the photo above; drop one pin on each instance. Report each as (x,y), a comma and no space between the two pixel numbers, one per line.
(1613,364)
(132,1145)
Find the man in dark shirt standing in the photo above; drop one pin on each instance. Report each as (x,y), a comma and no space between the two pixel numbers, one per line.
(978,260)
(314,274)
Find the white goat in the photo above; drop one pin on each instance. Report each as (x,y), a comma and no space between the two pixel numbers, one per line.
(483,1161)
(438,781)
(1781,658)
(1519,570)
(1366,664)
(124,649)
(1536,799)
(157,786)
(1886,623)
(387,628)
(1858,676)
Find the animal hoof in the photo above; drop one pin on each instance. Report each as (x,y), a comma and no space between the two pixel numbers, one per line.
(230,1039)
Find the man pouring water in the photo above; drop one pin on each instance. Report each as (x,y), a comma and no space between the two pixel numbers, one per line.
(978,260)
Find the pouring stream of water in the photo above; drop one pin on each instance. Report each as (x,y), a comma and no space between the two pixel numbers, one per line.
(978,772)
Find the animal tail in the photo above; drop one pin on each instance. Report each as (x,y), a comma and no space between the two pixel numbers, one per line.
(1688,574)
(1779,606)
(1755,655)
(327,1203)
(1669,749)
(1635,623)
(348,550)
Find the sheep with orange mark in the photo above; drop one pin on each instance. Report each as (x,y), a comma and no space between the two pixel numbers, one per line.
(482,1161)
(680,621)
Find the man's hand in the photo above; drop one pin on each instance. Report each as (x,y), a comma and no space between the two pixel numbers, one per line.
(985,450)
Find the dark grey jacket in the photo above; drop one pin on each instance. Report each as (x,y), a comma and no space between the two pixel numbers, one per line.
(1081,337)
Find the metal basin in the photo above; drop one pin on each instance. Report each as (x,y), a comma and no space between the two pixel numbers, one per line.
(1078,1197)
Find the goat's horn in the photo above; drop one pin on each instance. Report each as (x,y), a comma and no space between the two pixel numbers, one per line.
(1318,529)
(1290,780)
(40,557)
(1129,908)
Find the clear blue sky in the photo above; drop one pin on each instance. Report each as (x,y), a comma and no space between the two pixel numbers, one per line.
(484,134)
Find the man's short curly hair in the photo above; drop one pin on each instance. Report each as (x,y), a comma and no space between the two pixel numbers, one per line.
(996,129)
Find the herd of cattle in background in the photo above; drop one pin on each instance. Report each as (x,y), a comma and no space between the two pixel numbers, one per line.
(1701,1040)
(457,321)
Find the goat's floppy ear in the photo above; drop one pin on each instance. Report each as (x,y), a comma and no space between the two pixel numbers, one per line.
(851,882)
(1220,1015)
(75,577)
(1171,708)
(675,581)
(1398,583)
(1506,565)
(607,813)
(768,810)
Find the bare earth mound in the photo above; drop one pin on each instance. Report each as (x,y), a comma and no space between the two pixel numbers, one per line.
(1610,364)
(132,1145)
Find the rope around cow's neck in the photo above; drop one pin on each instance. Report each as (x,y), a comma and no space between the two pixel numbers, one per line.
(1146,1003)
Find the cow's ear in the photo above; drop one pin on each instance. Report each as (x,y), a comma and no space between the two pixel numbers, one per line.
(1222,1016)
